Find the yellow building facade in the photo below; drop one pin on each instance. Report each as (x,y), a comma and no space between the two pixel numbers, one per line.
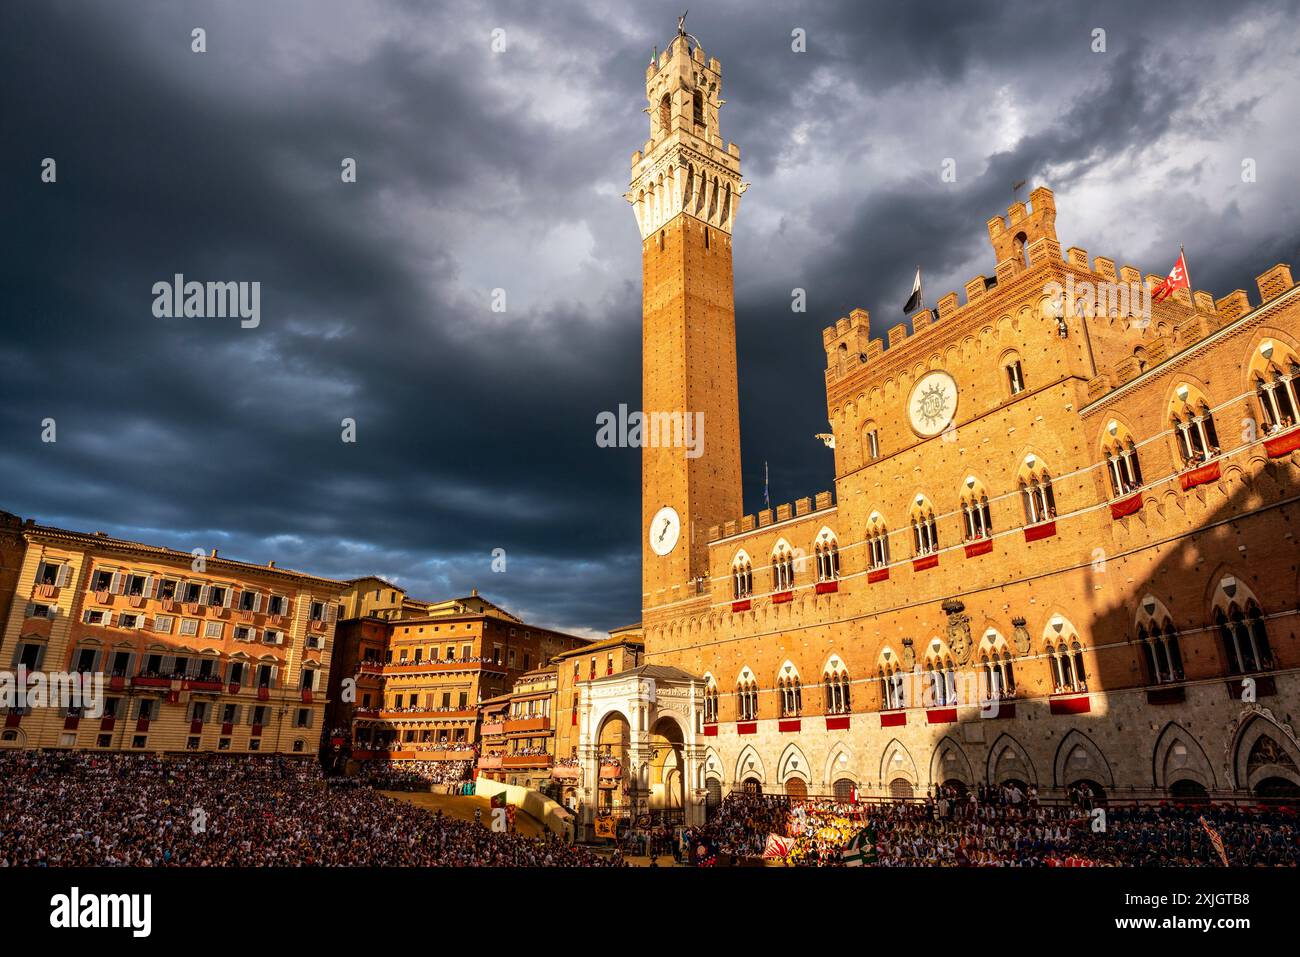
(196,652)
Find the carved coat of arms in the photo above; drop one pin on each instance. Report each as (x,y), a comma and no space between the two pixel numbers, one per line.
(1020,637)
(959,639)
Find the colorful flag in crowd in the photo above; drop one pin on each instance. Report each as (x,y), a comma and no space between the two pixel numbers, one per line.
(498,800)
(861,849)
(1216,840)
(777,847)
(1177,279)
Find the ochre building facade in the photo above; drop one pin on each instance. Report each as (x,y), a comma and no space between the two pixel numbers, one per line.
(1059,548)
(196,652)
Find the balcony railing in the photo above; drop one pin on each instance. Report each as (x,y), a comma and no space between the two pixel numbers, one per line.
(517,725)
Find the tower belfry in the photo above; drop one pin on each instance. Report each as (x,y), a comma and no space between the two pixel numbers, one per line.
(685,191)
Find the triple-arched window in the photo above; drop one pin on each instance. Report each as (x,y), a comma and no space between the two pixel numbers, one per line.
(791,694)
(747,699)
(782,567)
(710,703)
(997,674)
(877,543)
(836,682)
(1193,425)
(1277,384)
(1123,467)
(827,552)
(976,519)
(742,576)
(1068,672)
(942,680)
(891,686)
(1161,651)
(1245,638)
(925,533)
(1036,492)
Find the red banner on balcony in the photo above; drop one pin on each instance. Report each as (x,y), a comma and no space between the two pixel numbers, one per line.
(781,597)
(921,564)
(196,727)
(979,548)
(1080,705)
(107,724)
(837,723)
(877,575)
(256,731)
(941,716)
(825,588)
(1042,530)
(1126,506)
(893,719)
(1199,476)
(710,730)
(12,719)
(263,694)
(227,728)
(116,683)
(306,696)
(70,722)
(743,605)
(747,727)
(1283,444)
(232,688)
(789,724)
(142,725)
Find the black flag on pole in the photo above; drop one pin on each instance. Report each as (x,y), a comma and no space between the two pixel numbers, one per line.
(914,301)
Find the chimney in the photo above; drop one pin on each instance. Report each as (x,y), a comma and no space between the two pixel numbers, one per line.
(214,553)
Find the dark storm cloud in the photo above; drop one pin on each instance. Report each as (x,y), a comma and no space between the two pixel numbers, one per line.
(481,171)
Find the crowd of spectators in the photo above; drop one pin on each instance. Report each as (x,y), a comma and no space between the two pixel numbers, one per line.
(413,775)
(83,809)
(1004,827)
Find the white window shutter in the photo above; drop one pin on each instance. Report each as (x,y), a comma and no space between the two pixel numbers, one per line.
(205,594)
(142,622)
(30,608)
(115,585)
(230,594)
(150,586)
(252,634)
(331,611)
(257,602)
(108,619)
(64,574)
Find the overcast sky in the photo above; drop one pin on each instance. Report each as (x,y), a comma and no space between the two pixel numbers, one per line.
(482,170)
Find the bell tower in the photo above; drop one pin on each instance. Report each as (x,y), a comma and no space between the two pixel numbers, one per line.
(685,190)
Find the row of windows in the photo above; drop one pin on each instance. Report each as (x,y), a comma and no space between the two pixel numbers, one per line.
(1242,631)
(977,523)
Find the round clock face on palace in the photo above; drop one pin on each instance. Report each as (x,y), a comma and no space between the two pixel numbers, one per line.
(933,403)
(665,529)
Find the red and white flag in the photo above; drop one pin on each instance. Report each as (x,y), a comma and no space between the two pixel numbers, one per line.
(1177,279)
(1216,841)
(777,847)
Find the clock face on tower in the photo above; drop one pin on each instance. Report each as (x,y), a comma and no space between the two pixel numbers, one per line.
(933,403)
(665,529)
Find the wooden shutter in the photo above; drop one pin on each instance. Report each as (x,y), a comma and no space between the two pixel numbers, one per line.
(64,574)
(115,585)
(230,595)
(257,602)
